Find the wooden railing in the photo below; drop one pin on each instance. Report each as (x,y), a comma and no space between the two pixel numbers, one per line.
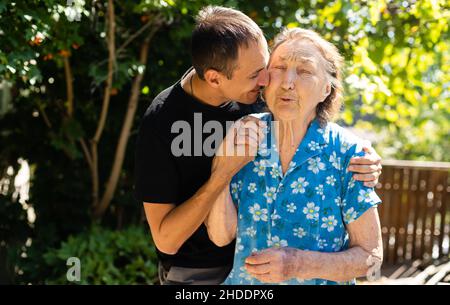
(415,212)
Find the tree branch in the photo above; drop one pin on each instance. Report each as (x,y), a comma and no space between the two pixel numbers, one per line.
(138,32)
(45,117)
(86,152)
(69,85)
(106,100)
(111,60)
(156,20)
(94,175)
(126,128)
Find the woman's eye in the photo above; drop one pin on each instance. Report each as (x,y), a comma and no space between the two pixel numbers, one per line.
(280,67)
(304,72)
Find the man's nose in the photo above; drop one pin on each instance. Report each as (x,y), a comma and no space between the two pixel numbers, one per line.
(264,78)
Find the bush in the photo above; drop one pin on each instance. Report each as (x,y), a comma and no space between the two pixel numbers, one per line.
(106,257)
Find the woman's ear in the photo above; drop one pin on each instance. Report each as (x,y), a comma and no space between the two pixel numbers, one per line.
(213,78)
(326,91)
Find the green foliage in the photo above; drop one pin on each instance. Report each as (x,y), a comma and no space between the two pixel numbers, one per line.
(106,257)
(14,232)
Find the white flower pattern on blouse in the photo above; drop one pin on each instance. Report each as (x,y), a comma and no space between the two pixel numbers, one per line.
(258,213)
(276,242)
(311,211)
(270,194)
(299,185)
(252,187)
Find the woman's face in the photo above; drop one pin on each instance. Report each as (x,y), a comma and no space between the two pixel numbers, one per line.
(298,81)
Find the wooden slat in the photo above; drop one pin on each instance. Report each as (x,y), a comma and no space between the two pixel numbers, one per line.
(423,209)
(381,212)
(390,215)
(385,217)
(425,165)
(430,216)
(440,202)
(410,201)
(437,202)
(397,206)
(416,187)
(440,212)
(405,213)
(443,212)
(439,275)
(413,203)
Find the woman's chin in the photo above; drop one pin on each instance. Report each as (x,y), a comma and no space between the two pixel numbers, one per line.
(286,112)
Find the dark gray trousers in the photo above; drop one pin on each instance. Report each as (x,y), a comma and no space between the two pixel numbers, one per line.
(193,276)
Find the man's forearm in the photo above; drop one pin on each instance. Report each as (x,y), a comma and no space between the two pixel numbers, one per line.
(181,222)
(336,266)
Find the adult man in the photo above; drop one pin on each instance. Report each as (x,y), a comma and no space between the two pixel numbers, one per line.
(229,56)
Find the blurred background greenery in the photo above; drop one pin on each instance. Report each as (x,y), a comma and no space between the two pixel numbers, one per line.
(74,85)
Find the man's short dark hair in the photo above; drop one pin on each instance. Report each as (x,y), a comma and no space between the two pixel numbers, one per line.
(217,37)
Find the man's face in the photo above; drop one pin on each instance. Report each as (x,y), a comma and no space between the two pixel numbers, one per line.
(298,80)
(249,76)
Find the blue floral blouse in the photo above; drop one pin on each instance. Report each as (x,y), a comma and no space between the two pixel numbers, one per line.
(308,207)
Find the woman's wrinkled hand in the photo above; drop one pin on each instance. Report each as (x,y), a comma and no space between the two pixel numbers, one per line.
(275,265)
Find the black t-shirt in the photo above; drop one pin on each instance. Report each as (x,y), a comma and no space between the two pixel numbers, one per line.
(162,177)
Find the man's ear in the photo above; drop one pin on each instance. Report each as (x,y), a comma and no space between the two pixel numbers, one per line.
(213,78)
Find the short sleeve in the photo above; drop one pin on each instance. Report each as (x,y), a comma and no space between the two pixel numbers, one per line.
(356,197)
(156,176)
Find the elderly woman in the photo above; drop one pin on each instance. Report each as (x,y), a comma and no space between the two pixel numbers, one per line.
(301,218)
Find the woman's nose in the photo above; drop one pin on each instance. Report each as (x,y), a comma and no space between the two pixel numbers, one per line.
(289,80)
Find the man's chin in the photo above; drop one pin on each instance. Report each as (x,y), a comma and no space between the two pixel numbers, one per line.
(251,98)
(248,102)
